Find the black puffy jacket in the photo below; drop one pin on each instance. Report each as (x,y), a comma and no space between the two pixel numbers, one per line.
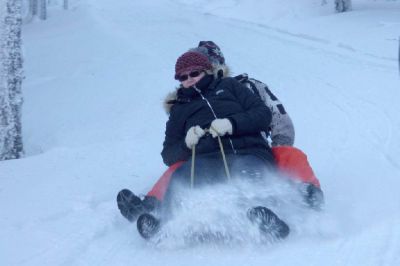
(221,98)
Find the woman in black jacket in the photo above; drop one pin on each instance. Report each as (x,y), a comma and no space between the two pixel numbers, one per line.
(221,106)
(205,109)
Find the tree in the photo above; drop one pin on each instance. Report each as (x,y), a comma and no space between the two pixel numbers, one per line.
(342,5)
(11,75)
(34,7)
(43,10)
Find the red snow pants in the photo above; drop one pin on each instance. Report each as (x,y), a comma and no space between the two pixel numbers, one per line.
(290,161)
(161,186)
(293,163)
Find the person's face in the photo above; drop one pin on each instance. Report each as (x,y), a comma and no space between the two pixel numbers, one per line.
(190,78)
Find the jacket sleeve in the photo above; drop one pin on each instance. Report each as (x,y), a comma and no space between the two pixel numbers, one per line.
(256,116)
(174,147)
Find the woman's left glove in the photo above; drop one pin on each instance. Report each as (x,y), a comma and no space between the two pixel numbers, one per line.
(219,127)
(193,135)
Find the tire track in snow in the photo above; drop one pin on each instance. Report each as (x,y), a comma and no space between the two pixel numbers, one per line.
(85,228)
(378,125)
(99,219)
(313,42)
(378,245)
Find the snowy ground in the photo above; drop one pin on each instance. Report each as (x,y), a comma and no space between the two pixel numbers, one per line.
(96,77)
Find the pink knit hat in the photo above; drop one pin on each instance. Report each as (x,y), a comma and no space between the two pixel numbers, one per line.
(191,61)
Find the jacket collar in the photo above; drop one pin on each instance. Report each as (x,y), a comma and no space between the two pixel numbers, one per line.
(175,96)
(204,85)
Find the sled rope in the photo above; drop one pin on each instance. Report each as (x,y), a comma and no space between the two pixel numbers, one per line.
(221,147)
(192,168)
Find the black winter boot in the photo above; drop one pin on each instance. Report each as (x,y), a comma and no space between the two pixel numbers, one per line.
(268,222)
(147,225)
(313,196)
(131,206)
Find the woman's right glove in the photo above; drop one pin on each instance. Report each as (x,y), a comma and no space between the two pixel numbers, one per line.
(193,135)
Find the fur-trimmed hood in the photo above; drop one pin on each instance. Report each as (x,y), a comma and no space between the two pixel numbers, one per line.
(169,101)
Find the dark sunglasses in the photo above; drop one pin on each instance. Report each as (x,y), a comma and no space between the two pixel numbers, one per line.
(192,74)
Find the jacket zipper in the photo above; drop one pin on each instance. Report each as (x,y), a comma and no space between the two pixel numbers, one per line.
(215,116)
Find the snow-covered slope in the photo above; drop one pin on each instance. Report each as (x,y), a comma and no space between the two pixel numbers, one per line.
(96,76)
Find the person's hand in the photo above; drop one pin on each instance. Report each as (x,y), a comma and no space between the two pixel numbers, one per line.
(193,135)
(219,127)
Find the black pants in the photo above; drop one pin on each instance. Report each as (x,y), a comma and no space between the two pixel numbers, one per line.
(210,169)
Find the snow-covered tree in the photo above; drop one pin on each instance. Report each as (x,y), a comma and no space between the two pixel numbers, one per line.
(11,75)
(342,5)
(38,8)
(34,7)
(26,11)
(43,9)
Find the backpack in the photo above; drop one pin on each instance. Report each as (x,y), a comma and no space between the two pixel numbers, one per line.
(281,127)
